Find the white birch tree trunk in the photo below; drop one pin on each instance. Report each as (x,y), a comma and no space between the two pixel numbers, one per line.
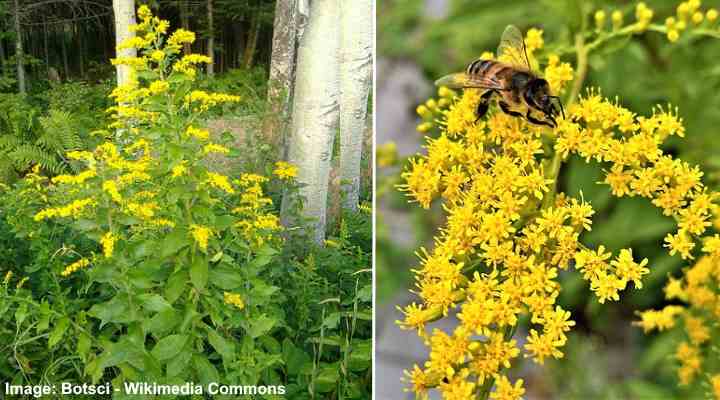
(282,72)
(355,82)
(315,112)
(124,17)
(19,55)
(211,39)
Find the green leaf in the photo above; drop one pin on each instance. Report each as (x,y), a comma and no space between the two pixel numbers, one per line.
(83,346)
(199,273)
(44,321)
(332,320)
(297,361)
(173,242)
(163,322)
(360,356)
(225,277)
(86,225)
(58,331)
(206,372)
(225,348)
(261,325)
(176,285)
(115,310)
(327,379)
(21,313)
(178,364)
(154,302)
(365,293)
(169,346)
(224,221)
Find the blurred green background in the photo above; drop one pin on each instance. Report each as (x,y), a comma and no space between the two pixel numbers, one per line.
(606,357)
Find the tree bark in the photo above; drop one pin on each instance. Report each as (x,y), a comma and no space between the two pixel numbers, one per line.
(282,73)
(79,31)
(251,44)
(2,57)
(46,46)
(124,17)
(63,50)
(355,79)
(315,114)
(239,44)
(211,39)
(185,22)
(19,49)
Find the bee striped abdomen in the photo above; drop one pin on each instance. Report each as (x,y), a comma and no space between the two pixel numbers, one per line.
(479,67)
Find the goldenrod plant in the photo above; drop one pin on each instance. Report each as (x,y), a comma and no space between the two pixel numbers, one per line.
(509,233)
(171,253)
(157,256)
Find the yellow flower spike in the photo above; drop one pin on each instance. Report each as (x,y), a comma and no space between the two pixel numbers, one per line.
(179,170)
(157,87)
(108,244)
(79,264)
(201,234)
(8,276)
(215,148)
(285,170)
(234,299)
(220,181)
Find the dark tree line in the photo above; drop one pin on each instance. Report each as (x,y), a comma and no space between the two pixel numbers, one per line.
(74,39)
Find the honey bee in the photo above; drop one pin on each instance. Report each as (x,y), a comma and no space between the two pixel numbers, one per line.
(514,81)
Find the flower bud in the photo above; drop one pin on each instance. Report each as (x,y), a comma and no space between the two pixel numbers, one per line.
(599,19)
(711,15)
(698,17)
(617,19)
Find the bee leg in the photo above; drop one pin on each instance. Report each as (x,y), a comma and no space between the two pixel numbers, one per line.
(483,105)
(536,121)
(506,109)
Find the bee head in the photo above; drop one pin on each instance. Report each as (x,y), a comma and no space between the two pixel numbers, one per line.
(538,96)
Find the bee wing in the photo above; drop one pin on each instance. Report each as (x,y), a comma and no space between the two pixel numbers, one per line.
(462,80)
(512,48)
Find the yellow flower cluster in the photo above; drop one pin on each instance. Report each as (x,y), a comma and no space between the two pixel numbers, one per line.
(201,235)
(215,148)
(204,100)
(74,210)
(508,234)
(186,65)
(220,181)
(108,244)
(234,299)
(202,134)
(285,170)
(506,238)
(79,264)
